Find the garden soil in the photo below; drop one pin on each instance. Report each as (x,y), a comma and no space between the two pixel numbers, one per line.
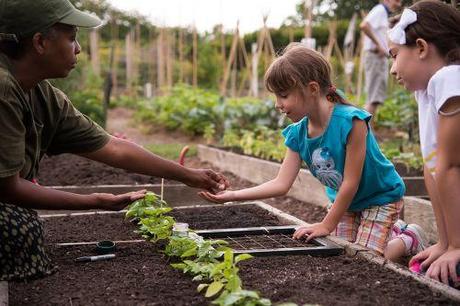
(141,275)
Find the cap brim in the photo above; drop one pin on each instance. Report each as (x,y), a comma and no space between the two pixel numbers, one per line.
(81,19)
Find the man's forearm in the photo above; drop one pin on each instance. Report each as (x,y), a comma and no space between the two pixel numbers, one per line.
(369,33)
(134,158)
(26,194)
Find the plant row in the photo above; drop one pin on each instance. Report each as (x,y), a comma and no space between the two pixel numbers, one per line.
(210,262)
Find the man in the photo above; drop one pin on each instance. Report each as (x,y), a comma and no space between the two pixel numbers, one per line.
(37,42)
(375,27)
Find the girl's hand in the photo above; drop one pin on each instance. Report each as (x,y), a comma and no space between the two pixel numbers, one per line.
(115,202)
(221,197)
(427,256)
(445,266)
(311,231)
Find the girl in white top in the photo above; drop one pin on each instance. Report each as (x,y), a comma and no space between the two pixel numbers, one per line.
(425,47)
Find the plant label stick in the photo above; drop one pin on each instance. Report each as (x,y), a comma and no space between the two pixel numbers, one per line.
(162,188)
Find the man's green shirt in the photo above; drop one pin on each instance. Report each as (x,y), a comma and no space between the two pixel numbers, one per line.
(42,121)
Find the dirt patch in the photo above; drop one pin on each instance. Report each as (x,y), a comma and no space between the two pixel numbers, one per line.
(116,227)
(69,170)
(140,275)
(338,280)
(226,217)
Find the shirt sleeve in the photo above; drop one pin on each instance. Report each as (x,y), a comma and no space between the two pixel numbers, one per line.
(290,135)
(75,132)
(12,135)
(446,85)
(347,125)
(376,17)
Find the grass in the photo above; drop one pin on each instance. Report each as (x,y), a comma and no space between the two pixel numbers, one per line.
(170,150)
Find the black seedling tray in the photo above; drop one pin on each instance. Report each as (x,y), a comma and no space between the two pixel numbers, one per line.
(271,240)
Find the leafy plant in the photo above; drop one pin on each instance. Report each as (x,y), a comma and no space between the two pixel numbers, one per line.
(242,298)
(150,211)
(400,112)
(261,142)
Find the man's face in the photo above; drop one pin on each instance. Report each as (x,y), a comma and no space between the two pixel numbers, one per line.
(61,52)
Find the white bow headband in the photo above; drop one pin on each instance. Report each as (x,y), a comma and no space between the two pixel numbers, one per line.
(397,34)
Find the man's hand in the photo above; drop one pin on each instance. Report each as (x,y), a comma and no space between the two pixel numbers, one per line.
(381,51)
(109,201)
(206,179)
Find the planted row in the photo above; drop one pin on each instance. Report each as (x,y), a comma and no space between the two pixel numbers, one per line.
(210,262)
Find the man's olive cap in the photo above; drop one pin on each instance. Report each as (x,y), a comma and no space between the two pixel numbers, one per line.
(21,18)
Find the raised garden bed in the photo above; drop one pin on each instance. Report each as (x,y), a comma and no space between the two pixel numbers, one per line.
(141,275)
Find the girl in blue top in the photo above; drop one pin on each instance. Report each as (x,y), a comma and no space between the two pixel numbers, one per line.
(333,138)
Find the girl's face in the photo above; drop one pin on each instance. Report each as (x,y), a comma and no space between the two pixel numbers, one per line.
(291,105)
(411,65)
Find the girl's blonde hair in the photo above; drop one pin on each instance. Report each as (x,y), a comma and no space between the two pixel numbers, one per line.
(296,67)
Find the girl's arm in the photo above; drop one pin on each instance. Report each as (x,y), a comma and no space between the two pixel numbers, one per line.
(276,187)
(354,162)
(447,183)
(430,254)
(448,169)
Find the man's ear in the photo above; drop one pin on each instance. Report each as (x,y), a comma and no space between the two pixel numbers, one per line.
(422,47)
(39,43)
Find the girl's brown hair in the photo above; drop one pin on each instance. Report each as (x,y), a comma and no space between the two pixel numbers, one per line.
(298,66)
(437,23)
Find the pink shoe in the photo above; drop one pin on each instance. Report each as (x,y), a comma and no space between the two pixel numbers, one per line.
(419,240)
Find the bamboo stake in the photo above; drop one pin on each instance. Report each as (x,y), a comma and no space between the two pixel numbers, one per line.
(361,64)
(255,76)
(331,40)
(228,69)
(360,70)
(129,61)
(94,47)
(246,64)
(195,57)
(115,37)
(181,55)
(169,61)
(308,16)
(160,60)
(222,47)
(137,54)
